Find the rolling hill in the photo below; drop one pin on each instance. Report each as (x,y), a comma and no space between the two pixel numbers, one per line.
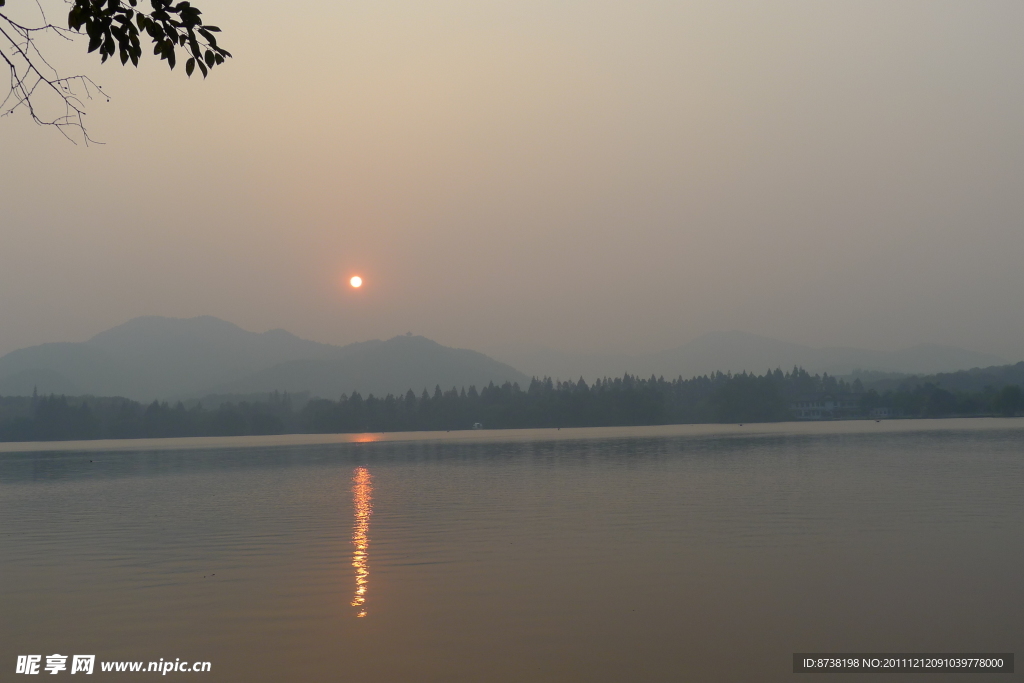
(166,358)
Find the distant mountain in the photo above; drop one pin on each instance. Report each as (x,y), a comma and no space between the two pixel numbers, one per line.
(154,357)
(165,358)
(975,379)
(393,366)
(737,351)
(539,361)
(740,351)
(61,369)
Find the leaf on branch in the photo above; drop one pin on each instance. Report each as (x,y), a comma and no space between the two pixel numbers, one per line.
(113,26)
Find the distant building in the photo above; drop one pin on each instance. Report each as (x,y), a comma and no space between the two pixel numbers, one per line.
(825,406)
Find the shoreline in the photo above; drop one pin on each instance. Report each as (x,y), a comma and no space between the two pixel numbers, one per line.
(855,426)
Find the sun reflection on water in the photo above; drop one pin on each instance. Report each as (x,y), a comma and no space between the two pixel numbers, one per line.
(362,501)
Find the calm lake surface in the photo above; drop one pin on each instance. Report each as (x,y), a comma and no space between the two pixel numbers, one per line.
(691,553)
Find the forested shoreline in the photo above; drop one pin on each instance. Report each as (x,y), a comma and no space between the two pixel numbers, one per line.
(629,400)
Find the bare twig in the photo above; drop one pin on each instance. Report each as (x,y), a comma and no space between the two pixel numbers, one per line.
(111,27)
(31,73)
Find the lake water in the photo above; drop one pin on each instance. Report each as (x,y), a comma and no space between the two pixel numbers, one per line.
(690,553)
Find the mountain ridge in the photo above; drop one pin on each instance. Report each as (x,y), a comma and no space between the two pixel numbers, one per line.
(735,351)
(153,357)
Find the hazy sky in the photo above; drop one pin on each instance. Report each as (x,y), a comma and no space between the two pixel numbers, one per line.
(602,176)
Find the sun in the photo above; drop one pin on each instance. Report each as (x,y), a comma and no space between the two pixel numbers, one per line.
(356,281)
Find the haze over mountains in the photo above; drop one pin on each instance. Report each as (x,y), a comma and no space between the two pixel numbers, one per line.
(740,351)
(168,358)
(165,358)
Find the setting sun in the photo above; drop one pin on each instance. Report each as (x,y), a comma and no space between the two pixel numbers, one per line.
(356,281)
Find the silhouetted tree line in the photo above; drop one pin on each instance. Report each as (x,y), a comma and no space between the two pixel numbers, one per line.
(928,400)
(58,418)
(629,400)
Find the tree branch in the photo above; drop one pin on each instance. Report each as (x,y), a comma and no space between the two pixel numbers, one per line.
(111,26)
(26,66)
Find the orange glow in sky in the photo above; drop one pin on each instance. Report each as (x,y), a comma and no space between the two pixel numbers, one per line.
(356,281)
